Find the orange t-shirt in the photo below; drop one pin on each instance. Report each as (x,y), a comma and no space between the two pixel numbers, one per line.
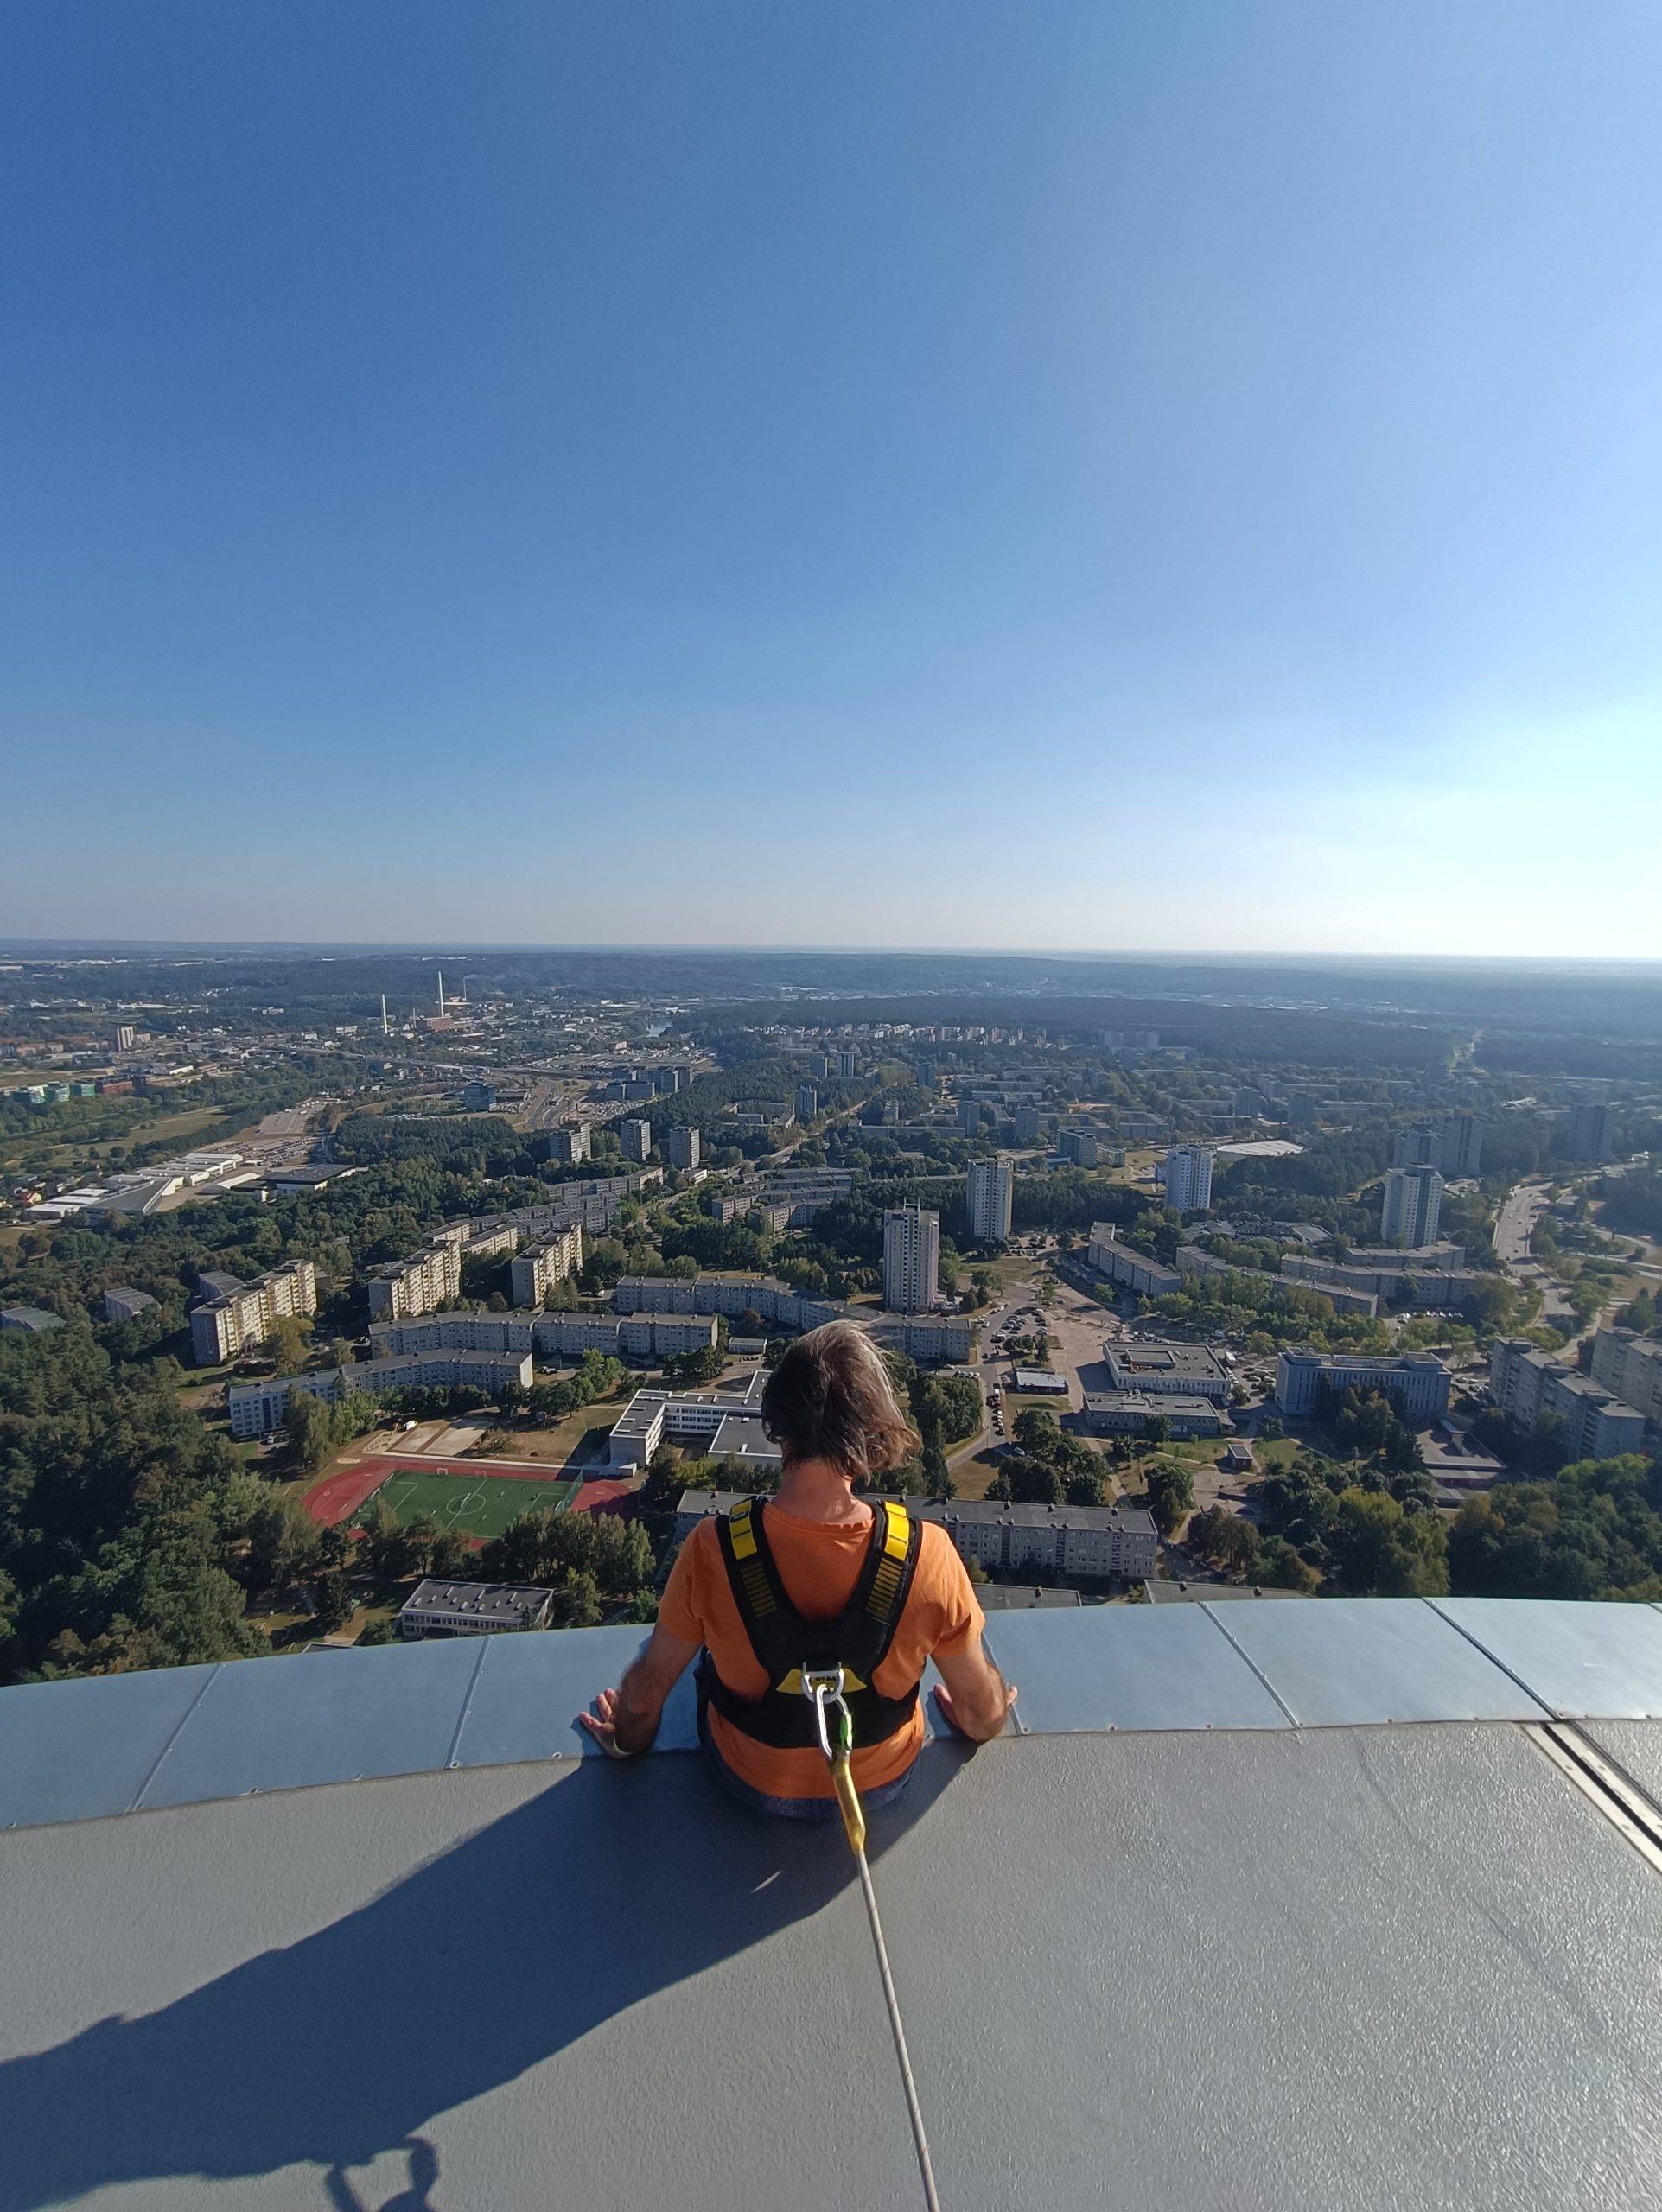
(818,1563)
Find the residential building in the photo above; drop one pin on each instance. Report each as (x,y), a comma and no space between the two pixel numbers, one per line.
(1079,1146)
(1189,1177)
(1132,1270)
(683,1148)
(571,1144)
(911,1259)
(1166,1370)
(1453,1146)
(242,1317)
(1590,1134)
(551,1259)
(1028,1123)
(1416,1384)
(403,1288)
(1128,1413)
(32,1320)
(557,1336)
(1630,1366)
(846,1066)
(125,1039)
(807,1101)
(1093,1543)
(438,1608)
(927,1337)
(989,1197)
(1530,1387)
(635,1137)
(1400,1283)
(121,1304)
(1413,1204)
(257,1409)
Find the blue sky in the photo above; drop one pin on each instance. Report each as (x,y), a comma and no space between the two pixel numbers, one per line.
(1103,475)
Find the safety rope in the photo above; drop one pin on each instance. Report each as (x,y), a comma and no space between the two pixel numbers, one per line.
(823,1687)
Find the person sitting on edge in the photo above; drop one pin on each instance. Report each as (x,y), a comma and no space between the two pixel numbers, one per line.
(815,1576)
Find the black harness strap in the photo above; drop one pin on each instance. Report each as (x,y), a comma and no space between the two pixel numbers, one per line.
(784,1641)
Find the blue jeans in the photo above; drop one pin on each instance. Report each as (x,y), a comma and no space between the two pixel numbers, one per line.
(791,1808)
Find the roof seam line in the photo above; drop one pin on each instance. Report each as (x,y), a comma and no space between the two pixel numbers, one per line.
(485,1643)
(1292,1717)
(1551,1711)
(184,1720)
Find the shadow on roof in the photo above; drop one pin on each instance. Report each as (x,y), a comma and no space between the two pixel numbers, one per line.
(608,1886)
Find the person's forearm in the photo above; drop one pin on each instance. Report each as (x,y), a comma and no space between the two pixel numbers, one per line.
(637,1712)
(986,1718)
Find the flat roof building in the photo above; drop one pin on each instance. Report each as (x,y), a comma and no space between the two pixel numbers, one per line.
(1166,1370)
(437,1608)
(1128,1413)
(1416,1384)
(911,1259)
(123,1304)
(990,1191)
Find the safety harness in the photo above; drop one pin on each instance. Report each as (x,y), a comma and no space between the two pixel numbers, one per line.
(788,1647)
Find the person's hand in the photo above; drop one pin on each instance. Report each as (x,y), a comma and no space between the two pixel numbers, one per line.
(944,1699)
(602,1724)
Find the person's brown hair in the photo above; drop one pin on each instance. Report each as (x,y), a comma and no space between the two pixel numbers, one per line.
(831,1397)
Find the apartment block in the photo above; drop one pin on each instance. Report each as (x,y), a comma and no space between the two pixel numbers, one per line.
(1189,1177)
(1132,1270)
(683,1148)
(990,1194)
(1530,1387)
(911,1259)
(570,1144)
(635,1138)
(1630,1366)
(1092,1542)
(241,1318)
(403,1288)
(1413,1203)
(551,1260)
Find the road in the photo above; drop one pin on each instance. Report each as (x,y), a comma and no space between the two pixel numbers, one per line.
(1515,1224)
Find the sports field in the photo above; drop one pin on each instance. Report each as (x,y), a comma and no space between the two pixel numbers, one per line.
(476,1505)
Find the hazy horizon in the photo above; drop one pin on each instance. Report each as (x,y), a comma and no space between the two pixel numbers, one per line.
(863,479)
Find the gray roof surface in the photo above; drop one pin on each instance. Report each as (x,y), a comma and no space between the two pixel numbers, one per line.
(1255,1948)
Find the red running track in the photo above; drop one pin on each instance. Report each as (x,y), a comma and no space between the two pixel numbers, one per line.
(338,1496)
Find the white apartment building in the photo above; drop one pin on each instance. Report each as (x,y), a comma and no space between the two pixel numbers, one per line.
(1529,1386)
(911,1260)
(1413,1203)
(239,1318)
(404,1288)
(1132,1270)
(552,1259)
(989,1197)
(635,1137)
(1630,1366)
(1189,1177)
(1090,1542)
(683,1148)
(570,1144)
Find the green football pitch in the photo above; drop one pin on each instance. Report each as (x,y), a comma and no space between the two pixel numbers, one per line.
(477,1506)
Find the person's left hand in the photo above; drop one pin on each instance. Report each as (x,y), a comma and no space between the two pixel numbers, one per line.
(602,1724)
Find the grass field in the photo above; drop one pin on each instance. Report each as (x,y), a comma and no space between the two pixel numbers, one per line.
(477,1506)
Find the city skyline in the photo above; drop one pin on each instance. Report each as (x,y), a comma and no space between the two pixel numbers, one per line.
(720,454)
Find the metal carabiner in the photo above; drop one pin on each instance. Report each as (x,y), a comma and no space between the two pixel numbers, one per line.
(824,1686)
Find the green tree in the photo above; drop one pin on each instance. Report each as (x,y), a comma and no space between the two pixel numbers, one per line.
(1379,1551)
(1171,1494)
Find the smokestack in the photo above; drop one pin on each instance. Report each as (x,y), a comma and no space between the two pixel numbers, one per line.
(386,1031)
(441,995)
